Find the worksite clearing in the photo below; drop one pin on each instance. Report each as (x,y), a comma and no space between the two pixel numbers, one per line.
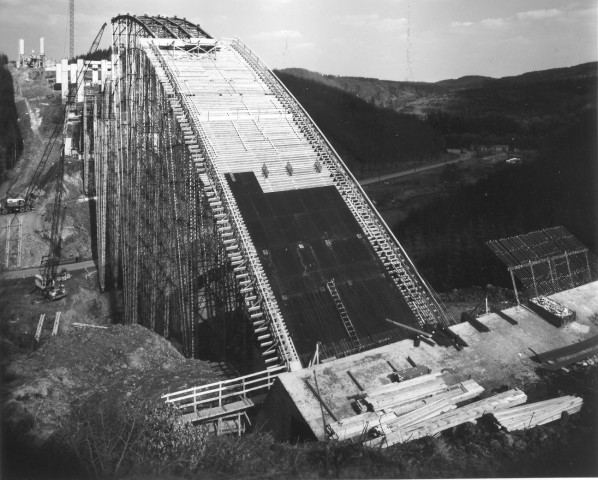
(502,356)
(244,283)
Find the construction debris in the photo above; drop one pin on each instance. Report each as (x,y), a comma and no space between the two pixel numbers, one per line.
(539,413)
(84,325)
(551,311)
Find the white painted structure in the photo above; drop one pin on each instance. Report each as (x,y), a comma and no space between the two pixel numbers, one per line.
(67,73)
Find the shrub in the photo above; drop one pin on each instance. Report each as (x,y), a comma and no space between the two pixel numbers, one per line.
(112,438)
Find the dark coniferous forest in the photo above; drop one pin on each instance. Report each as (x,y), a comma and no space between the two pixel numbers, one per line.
(369,139)
(11,142)
(446,239)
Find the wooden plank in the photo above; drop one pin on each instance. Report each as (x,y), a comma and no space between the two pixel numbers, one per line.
(568,350)
(456,393)
(215,412)
(474,322)
(379,401)
(569,360)
(355,380)
(349,428)
(504,316)
(538,413)
(422,413)
(450,419)
(404,385)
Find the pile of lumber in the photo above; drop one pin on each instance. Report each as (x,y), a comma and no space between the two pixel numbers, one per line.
(576,352)
(397,405)
(438,423)
(539,413)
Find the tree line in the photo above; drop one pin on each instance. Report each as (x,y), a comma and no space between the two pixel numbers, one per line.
(371,140)
(11,140)
(446,238)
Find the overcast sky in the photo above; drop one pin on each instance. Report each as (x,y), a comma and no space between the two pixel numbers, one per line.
(426,40)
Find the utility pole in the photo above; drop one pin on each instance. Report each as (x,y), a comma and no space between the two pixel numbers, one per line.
(72,28)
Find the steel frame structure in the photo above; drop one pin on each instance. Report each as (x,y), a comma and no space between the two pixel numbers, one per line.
(170,233)
(157,235)
(545,261)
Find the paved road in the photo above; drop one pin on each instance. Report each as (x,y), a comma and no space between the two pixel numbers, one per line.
(30,272)
(404,173)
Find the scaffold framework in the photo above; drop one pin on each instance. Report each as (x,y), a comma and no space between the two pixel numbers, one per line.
(545,261)
(183,125)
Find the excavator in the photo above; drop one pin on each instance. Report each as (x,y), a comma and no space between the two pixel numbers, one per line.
(48,280)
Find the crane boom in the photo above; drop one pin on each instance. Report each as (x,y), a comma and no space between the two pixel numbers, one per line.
(58,128)
(50,262)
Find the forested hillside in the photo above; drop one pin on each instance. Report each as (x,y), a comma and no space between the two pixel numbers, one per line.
(446,239)
(370,140)
(404,97)
(522,111)
(99,54)
(11,142)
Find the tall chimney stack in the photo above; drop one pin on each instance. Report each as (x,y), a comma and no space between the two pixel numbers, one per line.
(41,46)
(21,52)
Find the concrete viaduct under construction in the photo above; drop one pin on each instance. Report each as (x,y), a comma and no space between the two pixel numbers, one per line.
(225,215)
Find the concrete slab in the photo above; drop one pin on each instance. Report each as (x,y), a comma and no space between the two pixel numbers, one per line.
(495,358)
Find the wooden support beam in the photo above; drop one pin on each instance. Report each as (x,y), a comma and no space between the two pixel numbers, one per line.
(474,322)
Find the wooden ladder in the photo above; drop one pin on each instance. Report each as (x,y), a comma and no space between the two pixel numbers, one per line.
(342,311)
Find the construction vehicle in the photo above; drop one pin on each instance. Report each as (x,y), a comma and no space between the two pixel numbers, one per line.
(51,290)
(16,205)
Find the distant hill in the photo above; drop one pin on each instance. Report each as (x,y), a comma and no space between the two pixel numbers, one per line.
(404,97)
(516,110)
(469,81)
(371,140)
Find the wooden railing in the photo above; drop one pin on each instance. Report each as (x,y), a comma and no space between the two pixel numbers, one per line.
(219,393)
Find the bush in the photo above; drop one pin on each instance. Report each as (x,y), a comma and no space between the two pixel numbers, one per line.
(112,438)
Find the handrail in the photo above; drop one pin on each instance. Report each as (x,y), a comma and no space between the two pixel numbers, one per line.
(218,391)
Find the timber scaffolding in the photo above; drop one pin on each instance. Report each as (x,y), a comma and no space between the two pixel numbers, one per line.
(219,201)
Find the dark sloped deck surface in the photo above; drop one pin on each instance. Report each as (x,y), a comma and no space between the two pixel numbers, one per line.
(305,238)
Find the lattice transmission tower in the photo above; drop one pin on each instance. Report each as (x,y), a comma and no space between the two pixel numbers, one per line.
(71,28)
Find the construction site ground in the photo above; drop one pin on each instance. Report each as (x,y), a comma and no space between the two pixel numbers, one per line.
(502,356)
(39,108)
(42,382)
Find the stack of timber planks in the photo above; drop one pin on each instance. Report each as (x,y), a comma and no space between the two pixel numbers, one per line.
(429,426)
(395,406)
(538,413)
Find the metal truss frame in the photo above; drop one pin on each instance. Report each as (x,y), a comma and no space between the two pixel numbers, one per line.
(158,237)
(169,231)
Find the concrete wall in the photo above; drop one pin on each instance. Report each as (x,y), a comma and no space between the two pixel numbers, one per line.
(279,416)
